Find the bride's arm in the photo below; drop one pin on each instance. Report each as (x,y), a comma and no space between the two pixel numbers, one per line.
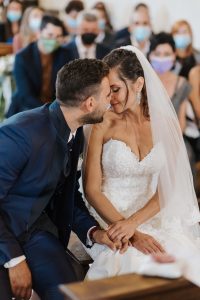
(93,177)
(126,228)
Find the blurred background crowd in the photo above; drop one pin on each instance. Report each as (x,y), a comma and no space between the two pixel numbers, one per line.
(36,42)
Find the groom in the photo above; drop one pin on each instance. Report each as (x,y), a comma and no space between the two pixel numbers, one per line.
(39,199)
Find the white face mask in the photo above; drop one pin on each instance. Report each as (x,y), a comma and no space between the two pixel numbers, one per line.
(34,24)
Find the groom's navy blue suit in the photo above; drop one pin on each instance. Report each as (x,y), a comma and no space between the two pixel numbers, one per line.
(33,155)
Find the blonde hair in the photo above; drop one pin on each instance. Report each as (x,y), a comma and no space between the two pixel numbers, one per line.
(26,34)
(175,29)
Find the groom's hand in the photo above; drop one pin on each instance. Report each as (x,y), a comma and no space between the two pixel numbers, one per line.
(146,243)
(20,280)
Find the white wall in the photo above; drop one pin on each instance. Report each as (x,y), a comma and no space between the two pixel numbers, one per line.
(164,12)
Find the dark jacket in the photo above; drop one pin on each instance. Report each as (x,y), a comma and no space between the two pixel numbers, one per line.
(101,50)
(33,153)
(28,77)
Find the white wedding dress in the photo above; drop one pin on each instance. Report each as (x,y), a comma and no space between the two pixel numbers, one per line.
(129,183)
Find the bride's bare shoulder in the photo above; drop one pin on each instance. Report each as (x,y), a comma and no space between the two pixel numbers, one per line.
(108,121)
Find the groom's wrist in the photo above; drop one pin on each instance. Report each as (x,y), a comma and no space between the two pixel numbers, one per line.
(92,233)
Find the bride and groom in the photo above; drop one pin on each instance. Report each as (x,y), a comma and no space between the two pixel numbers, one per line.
(136,178)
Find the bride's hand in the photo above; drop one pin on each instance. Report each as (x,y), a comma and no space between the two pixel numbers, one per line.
(146,243)
(122,230)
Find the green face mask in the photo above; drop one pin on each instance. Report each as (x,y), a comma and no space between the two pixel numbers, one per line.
(49,45)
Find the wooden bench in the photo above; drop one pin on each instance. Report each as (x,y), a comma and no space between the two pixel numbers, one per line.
(5,49)
(133,287)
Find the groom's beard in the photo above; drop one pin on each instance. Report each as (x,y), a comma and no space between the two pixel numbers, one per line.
(92,118)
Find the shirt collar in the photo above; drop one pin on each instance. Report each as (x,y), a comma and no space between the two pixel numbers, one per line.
(59,121)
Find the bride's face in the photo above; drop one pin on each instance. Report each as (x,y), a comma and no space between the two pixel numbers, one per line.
(122,97)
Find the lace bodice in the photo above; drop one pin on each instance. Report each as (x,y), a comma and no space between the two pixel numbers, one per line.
(127,182)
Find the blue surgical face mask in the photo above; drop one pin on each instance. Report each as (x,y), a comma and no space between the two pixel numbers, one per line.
(102,24)
(71,22)
(14,15)
(34,24)
(182,41)
(162,64)
(141,33)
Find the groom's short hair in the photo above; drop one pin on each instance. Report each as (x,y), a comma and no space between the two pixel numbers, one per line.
(79,79)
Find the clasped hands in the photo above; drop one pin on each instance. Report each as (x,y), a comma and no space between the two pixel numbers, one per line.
(122,234)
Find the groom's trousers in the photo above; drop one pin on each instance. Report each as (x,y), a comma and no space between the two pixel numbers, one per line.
(49,264)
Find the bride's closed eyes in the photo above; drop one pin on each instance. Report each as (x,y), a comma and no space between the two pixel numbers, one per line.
(115,89)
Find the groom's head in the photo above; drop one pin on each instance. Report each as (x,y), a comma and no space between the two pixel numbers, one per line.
(83,84)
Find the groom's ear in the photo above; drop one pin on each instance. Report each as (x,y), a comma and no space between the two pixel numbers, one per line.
(88,105)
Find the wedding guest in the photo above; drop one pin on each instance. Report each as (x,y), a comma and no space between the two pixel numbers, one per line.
(140,31)
(162,56)
(36,67)
(13,19)
(84,45)
(101,7)
(105,36)
(187,56)
(72,10)
(29,28)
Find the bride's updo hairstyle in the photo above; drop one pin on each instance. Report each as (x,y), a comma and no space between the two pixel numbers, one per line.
(129,68)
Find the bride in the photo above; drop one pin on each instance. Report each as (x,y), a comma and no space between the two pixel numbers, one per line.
(137,176)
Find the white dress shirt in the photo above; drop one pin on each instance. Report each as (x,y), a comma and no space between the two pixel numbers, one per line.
(85,52)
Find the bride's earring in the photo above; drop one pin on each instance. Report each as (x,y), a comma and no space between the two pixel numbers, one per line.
(138,97)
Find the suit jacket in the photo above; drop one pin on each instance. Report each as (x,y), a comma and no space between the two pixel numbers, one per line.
(101,50)
(122,34)
(33,153)
(28,77)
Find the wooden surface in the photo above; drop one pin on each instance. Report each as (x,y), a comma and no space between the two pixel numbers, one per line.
(5,49)
(133,287)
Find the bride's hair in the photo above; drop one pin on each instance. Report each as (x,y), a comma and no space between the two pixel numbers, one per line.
(128,68)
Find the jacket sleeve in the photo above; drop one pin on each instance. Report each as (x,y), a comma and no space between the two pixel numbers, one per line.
(24,91)
(82,220)
(14,152)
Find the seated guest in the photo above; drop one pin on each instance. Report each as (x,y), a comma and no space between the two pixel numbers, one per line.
(29,28)
(105,36)
(140,30)
(101,7)
(162,56)
(84,45)
(124,32)
(13,19)
(187,56)
(36,67)
(72,10)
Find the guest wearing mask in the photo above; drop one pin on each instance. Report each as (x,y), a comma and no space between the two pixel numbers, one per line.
(13,19)
(84,45)
(187,56)
(194,79)
(105,36)
(140,31)
(162,56)
(29,29)
(72,10)
(101,7)
(36,67)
